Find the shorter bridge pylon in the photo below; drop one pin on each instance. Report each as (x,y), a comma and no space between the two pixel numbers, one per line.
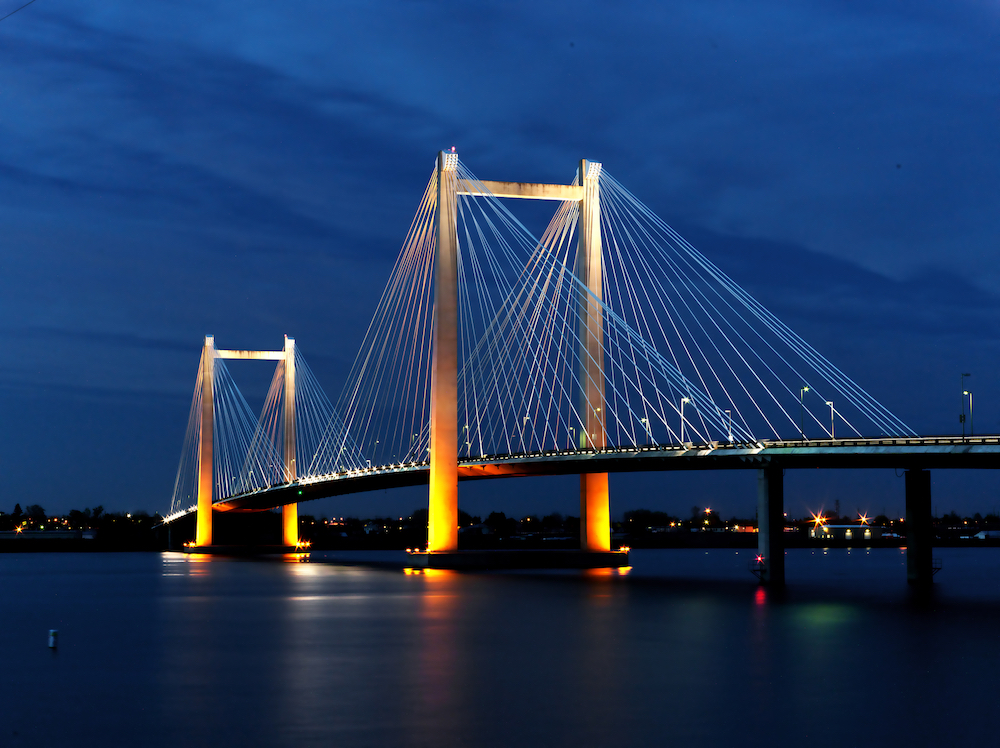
(206,436)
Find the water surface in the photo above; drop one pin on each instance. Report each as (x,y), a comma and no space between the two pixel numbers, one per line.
(684,648)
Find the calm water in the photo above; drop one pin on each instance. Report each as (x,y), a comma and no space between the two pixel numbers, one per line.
(685,649)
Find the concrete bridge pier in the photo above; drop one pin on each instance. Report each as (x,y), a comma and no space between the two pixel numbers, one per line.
(919,530)
(771,524)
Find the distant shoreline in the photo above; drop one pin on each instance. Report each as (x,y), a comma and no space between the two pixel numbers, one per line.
(74,542)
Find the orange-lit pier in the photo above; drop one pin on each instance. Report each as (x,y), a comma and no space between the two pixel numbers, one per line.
(488,560)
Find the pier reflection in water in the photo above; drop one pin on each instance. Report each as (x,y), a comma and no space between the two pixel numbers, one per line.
(683,648)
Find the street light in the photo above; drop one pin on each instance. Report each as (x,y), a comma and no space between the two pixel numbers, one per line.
(802,411)
(830,403)
(645,425)
(683,400)
(729,415)
(572,438)
(961,418)
(972,421)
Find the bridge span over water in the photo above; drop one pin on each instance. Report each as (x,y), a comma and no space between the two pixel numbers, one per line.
(918,453)
(605,344)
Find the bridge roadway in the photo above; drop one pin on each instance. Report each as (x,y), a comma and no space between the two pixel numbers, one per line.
(924,453)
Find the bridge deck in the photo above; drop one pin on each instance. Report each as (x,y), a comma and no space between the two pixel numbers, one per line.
(900,453)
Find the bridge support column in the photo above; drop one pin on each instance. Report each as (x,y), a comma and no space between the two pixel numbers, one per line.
(203,531)
(595,512)
(442,519)
(771,524)
(595,504)
(290,524)
(290,512)
(919,530)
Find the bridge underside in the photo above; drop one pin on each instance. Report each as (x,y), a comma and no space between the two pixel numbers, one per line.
(901,454)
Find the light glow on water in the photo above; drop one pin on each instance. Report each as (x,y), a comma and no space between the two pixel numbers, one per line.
(288,654)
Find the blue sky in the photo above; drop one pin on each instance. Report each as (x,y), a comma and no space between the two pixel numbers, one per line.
(250,169)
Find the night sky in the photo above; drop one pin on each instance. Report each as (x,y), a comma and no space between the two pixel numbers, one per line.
(250,169)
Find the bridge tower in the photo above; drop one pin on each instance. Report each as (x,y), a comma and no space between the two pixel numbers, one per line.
(595,523)
(206,437)
(290,512)
(595,510)
(442,528)
(206,478)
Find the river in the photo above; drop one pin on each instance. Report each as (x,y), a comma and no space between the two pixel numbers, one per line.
(682,649)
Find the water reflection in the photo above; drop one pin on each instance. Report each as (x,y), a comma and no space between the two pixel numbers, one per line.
(222,652)
(434,674)
(612,571)
(176,563)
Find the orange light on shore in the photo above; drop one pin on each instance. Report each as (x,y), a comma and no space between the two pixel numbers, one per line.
(818,519)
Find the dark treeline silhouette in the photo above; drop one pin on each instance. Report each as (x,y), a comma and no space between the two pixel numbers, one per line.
(91,528)
(87,529)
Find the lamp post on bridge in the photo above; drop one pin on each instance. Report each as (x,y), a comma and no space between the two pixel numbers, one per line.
(802,411)
(830,403)
(729,417)
(972,420)
(961,418)
(468,442)
(683,400)
(645,426)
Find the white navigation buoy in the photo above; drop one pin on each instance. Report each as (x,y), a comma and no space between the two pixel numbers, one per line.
(53,638)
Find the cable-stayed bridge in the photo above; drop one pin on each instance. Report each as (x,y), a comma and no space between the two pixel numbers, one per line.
(608,343)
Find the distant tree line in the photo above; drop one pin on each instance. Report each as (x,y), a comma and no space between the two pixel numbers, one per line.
(640,527)
(125,530)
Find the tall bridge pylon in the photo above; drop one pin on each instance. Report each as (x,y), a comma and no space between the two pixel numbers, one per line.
(595,516)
